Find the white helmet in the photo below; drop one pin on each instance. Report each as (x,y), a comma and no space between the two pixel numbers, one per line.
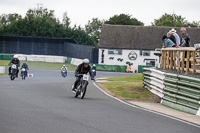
(15,56)
(63,65)
(86,61)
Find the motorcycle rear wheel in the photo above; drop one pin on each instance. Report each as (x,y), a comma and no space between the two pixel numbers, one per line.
(77,90)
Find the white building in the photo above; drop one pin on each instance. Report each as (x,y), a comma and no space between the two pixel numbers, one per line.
(123,45)
(124,57)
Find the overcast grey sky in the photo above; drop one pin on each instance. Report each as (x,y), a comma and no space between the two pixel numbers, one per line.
(80,11)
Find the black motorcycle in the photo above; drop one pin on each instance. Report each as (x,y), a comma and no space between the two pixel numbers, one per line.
(13,72)
(64,73)
(82,86)
(23,73)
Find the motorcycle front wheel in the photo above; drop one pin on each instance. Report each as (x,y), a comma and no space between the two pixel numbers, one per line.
(83,90)
(12,78)
(77,90)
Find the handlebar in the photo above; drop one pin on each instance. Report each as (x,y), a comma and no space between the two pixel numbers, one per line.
(10,64)
(82,75)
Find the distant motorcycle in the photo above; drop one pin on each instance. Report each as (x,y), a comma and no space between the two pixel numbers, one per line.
(13,73)
(23,73)
(82,86)
(64,73)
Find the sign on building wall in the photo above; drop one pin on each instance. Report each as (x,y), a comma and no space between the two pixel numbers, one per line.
(132,55)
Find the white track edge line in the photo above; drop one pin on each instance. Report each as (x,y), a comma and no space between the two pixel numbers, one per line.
(184,121)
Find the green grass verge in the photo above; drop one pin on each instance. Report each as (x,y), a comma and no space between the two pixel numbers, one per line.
(3,74)
(132,89)
(41,65)
(49,66)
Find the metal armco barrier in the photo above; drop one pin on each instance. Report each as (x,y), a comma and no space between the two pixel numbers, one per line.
(177,91)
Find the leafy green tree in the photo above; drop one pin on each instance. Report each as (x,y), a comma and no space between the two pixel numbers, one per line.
(82,37)
(93,28)
(171,20)
(194,24)
(6,19)
(66,20)
(123,19)
(41,22)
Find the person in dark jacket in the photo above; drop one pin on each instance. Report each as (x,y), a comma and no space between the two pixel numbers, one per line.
(15,61)
(185,38)
(83,68)
(167,42)
(185,42)
(171,37)
(25,66)
(64,70)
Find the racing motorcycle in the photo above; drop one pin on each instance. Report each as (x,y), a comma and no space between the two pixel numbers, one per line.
(64,73)
(23,73)
(13,72)
(82,86)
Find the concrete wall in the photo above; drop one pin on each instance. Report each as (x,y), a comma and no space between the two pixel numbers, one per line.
(124,58)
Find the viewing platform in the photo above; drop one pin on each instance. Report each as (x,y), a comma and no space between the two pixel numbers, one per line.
(182,59)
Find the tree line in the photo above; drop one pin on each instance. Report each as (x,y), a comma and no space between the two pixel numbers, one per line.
(41,22)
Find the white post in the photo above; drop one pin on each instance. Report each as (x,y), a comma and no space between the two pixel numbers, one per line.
(2,69)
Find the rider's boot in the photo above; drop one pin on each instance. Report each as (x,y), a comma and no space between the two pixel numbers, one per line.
(74,89)
(9,73)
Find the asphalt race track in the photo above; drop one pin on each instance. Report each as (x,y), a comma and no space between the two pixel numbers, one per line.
(45,104)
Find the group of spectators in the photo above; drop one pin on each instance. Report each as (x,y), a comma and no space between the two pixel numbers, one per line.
(172,39)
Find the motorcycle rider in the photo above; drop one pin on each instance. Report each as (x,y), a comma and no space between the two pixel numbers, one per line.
(26,68)
(64,68)
(94,69)
(83,68)
(15,61)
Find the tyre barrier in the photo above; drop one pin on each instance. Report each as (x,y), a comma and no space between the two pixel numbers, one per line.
(176,91)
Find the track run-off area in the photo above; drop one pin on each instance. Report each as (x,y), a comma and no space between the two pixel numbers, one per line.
(46,104)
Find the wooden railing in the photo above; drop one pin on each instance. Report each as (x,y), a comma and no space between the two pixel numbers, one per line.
(180,59)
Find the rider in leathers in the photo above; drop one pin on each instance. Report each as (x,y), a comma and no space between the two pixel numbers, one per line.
(15,61)
(83,68)
(25,66)
(64,70)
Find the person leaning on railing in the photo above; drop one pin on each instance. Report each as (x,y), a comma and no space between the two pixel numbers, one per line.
(185,38)
(185,42)
(167,43)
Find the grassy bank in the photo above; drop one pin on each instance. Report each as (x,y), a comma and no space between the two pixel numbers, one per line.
(40,65)
(129,88)
(3,74)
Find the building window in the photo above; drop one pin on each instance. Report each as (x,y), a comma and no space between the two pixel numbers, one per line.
(115,51)
(150,63)
(140,52)
(144,53)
